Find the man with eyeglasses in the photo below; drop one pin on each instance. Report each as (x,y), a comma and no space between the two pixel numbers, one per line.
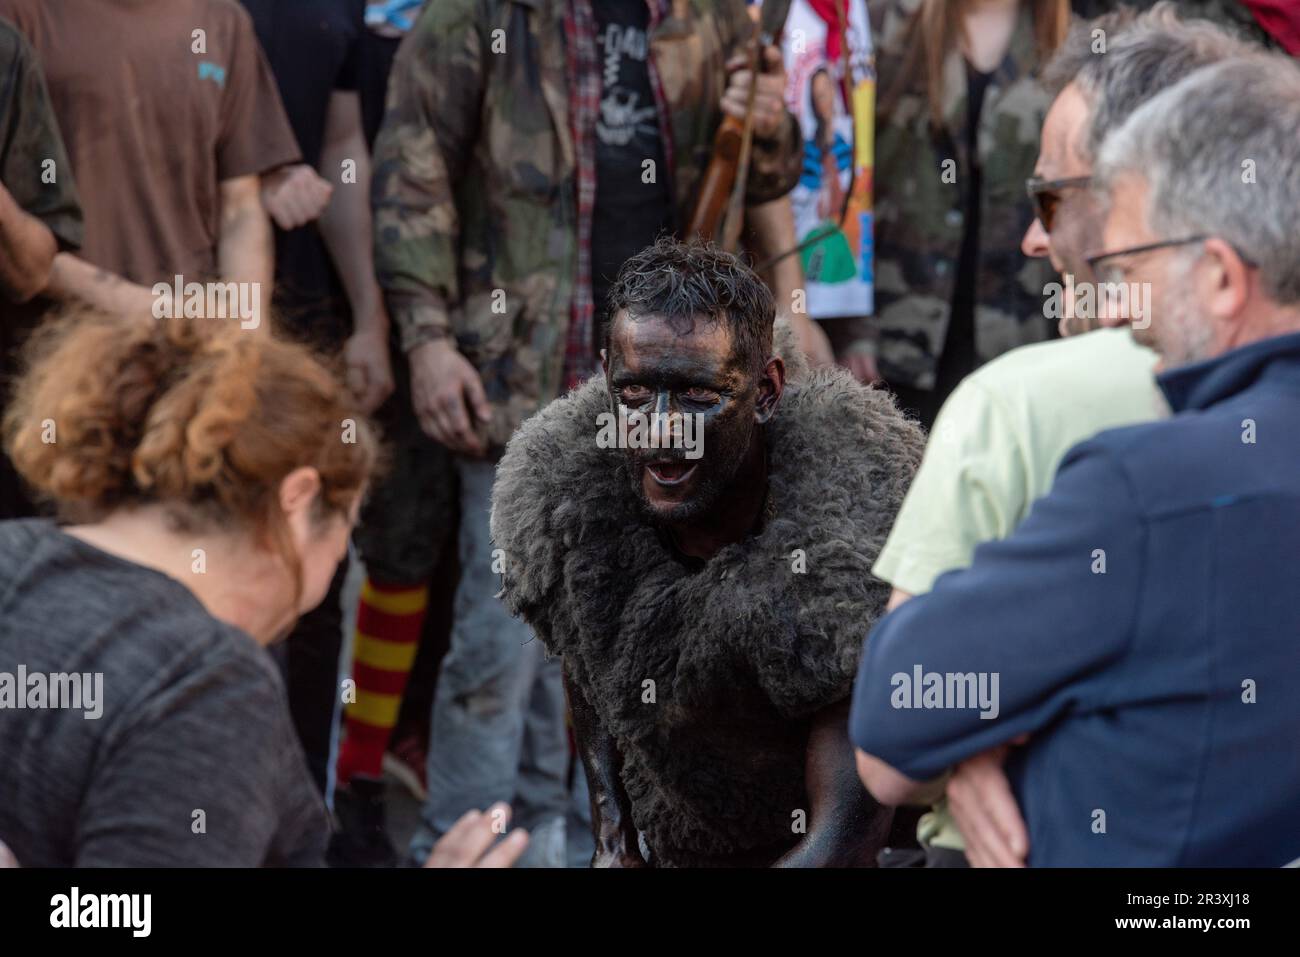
(999,438)
(1142,620)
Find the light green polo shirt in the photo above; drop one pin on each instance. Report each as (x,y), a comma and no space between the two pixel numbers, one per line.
(995,448)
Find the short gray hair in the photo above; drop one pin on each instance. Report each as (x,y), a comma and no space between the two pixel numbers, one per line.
(1077,49)
(1143,55)
(1219,153)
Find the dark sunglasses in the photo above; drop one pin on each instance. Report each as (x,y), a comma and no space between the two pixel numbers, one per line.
(1045,194)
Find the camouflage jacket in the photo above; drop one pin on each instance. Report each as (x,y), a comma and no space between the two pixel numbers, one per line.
(31,145)
(921,176)
(474,179)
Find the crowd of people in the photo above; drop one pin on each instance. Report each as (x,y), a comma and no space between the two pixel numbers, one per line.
(312,313)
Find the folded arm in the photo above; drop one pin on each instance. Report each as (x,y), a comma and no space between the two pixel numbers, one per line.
(1024,634)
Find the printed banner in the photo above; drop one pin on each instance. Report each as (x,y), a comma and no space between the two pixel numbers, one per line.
(831,88)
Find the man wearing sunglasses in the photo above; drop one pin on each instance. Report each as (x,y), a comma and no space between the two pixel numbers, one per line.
(1000,438)
(1142,619)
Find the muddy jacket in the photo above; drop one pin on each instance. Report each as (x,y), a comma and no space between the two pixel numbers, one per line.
(921,175)
(474,182)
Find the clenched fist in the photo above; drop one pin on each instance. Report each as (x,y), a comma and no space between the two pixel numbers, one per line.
(769,97)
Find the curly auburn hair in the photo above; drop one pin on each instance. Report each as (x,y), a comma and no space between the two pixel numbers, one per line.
(200,416)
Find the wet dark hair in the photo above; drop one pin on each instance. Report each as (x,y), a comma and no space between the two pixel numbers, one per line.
(683,282)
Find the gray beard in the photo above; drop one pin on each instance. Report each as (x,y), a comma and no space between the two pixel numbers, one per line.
(1195,334)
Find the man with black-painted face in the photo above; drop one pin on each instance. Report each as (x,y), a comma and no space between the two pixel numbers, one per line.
(692,533)
(694,382)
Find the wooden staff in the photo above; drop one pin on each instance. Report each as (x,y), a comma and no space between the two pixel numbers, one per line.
(720,206)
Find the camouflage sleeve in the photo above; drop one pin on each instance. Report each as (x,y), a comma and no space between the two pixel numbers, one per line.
(31,146)
(429,130)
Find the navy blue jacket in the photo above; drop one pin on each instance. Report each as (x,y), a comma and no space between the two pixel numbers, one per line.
(1143,625)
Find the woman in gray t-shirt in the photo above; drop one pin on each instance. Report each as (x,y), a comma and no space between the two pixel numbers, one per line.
(208,478)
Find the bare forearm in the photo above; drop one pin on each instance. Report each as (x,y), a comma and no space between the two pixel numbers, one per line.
(846,826)
(74,279)
(346,223)
(847,832)
(611,814)
(245,251)
(773,227)
(346,229)
(27,250)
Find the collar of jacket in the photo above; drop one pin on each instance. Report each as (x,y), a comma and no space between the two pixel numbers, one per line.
(1204,384)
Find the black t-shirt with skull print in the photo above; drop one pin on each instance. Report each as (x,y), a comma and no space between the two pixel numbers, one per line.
(632,199)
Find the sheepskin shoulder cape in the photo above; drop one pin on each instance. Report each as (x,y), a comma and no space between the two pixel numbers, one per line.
(707,678)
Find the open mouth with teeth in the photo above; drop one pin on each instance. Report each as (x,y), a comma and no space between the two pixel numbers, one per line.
(670,473)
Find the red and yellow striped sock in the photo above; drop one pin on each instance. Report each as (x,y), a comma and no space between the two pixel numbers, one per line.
(389,621)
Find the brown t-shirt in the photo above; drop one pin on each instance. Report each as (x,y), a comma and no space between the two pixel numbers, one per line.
(158,101)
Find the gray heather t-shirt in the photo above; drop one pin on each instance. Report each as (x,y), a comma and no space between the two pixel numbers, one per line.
(192,761)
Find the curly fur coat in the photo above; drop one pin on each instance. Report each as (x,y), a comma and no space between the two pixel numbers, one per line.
(743,651)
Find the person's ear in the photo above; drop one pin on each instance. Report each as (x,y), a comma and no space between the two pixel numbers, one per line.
(298,491)
(770,389)
(1224,287)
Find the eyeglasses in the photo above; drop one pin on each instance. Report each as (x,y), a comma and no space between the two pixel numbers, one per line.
(1045,194)
(1113,273)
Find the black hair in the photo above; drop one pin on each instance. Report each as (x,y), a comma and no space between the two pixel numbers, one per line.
(684,282)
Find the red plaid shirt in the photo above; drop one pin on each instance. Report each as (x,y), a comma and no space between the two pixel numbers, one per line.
(584,105)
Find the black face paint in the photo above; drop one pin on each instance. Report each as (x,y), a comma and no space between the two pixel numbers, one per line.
(653,369)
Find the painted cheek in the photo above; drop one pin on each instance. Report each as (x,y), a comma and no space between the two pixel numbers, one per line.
(720,411)
(722,425)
